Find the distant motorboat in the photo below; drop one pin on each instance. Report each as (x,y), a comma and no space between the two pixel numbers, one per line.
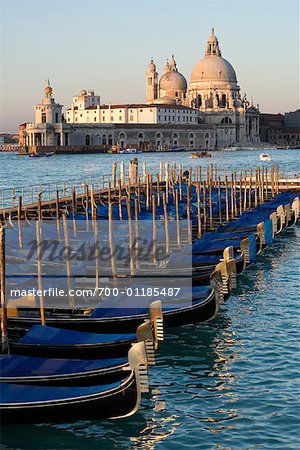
(41,155)
(203,154)
(229,148)
(265,157)
(129,151)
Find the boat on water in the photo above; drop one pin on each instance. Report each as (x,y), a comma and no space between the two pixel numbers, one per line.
(129,151)
(41,155)
(229,148)
(203,154)
(265,157)
(40,404)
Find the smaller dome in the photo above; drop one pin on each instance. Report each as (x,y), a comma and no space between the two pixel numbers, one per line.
(83,92)
(48,90)
(173,80)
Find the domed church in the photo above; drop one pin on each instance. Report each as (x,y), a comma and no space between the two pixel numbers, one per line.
(208,113)
(213,91)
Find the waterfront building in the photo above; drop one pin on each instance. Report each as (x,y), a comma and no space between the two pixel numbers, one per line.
(207,113)
(282,130)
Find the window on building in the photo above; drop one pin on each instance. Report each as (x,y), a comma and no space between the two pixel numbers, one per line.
(95,119)
(87,139)
(104,139)
(176,94)
(56,117)
(110,139)
(140,136)
(43,117)
(120,118)
(224,101)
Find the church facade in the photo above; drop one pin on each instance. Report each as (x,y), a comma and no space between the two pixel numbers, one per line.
(207,113)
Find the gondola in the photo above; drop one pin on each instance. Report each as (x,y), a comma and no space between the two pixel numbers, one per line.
(20,403)
(200,308)
(51,342)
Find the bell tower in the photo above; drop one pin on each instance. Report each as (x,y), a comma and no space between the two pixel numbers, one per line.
(152,82)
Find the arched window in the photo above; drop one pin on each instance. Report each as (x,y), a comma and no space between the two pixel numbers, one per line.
(175,135)
(122,135)
(224,100)
(199,101)
(87,139)
(191,140)
(207,135)
(226,120)
(140,136)
(104,141)
(218,99)
(110,139)
(158,135)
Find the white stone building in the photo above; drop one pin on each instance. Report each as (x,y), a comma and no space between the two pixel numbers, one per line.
(208,113)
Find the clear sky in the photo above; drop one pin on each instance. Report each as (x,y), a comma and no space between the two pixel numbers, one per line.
(106,46)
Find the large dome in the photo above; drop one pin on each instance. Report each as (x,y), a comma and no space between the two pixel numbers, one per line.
(173,80)
(213,68)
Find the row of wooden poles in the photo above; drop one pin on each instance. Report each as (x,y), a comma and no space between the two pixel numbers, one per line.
(261,180)
(30,194)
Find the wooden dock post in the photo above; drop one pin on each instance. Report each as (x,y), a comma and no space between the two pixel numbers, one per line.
(226,200)
(232,198)
(241,193)
(154,229)
(160,171)
(40,206)
(245,191)
(114,174)
(111,240)
(177,217)
(166,225)
(68,261)
(210,204)
(122,173)
(130,237)
(4,332)
(219,200)
(120,200)
(250,190)
(144,171)
(39,270)
(137,232)
(188,211)
(96,251)
(199,210)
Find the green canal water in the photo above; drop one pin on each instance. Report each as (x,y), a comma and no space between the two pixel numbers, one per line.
(232,383)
